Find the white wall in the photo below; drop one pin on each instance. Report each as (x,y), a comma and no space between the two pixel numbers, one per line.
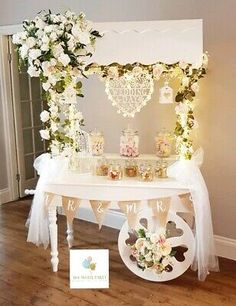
(217,107)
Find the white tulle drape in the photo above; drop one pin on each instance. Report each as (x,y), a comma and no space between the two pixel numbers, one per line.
(188,172)
(48,168)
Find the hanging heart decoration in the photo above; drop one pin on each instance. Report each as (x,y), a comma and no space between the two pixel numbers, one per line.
(130,92)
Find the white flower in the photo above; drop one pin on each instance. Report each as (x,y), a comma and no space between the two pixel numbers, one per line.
(195,87)
(140,243)
(33,72)
(82,36)
(185,81)
(53,36)
(57,50)
(23,51)
(157,71)
(183,65)
(39,23)
(19,37)
(44,116)
(165,249)
(48,67)
(44,134)
(157,255)
(154,238)
(34,53)
(54,110)
(46,86)
(113,72)
(64,59)
(205,60)
(45,47)
(181,108)
(54,127)
(137,70)
(30,42)
(166,261)
(148,256)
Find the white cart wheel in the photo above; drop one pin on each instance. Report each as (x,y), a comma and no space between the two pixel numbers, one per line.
(178,267)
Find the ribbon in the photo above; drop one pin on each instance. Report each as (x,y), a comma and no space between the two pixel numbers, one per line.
(99,208)
(70,206)
(130,209)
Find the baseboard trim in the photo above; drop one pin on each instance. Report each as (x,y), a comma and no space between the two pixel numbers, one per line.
(5,196)
(225,247)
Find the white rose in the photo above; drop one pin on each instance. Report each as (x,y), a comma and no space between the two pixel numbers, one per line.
(30,42)
(113,72)
(140,243)
(154,238)
(23,51)
(45,47)
(44,134)
(166,260)
(137,70)
(34,53)
(33,72)
(46,86)
(157,71)
(195,87)
(64,59)
(54,110)
(183,65)
(54,127)
(185,81)
(19,37)
(44,116)
(157,255)
(57,50)
(181,108)
(165,249)
(82,36)
(39,23)
(53,36)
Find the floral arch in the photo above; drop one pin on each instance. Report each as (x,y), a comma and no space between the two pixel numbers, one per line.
(58,47)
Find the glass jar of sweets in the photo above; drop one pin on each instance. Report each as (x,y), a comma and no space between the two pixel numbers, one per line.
(163,143)
(96,143)
(131,168)
(129,142)
(161,169)
(146,172)
(101,168)
(115,172)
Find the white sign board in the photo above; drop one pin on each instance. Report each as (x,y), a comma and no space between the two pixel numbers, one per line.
(147,42)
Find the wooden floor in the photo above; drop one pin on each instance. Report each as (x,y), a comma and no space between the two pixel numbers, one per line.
(26,277)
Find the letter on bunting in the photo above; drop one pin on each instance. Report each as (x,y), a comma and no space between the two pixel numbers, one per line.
(99,208)
(130,208)
(70,206)
(160,208)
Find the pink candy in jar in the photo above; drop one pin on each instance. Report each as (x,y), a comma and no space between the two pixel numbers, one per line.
(129,142)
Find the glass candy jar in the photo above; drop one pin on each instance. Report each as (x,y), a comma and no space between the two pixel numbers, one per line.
(129,142)
(115,172)
(131,168)
(163,143)
(146,172)
(161,169)
(96,143)
(101,168)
